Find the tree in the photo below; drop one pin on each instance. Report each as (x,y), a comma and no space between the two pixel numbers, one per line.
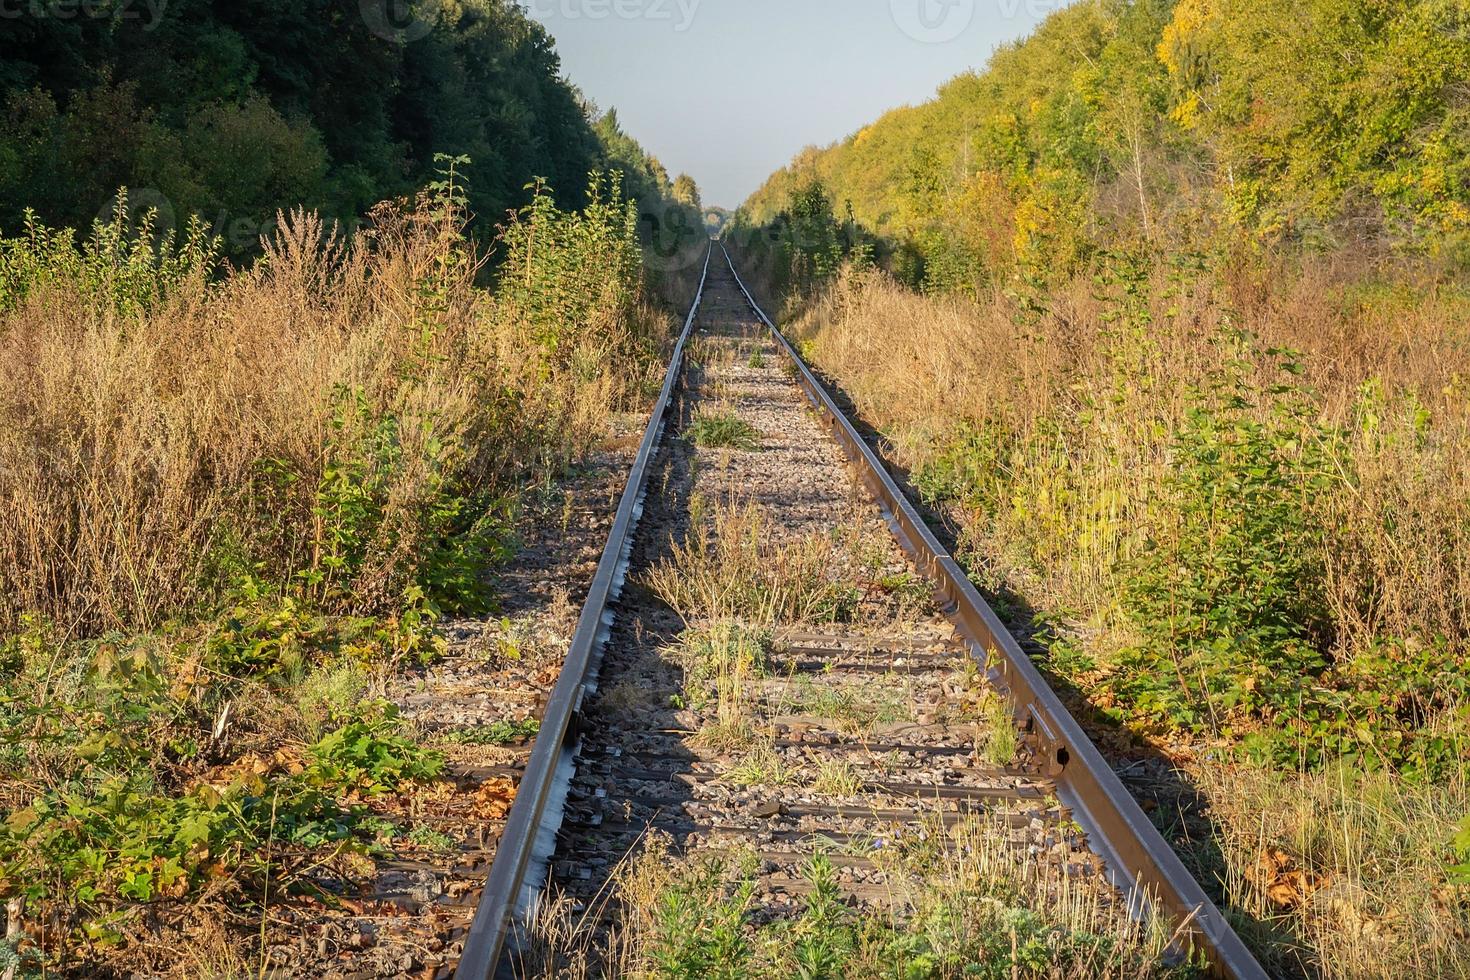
(686,191)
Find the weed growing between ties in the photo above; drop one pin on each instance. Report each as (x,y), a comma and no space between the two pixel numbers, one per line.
(723,429)
(733,569)
(998,740)
(973,908)
(854,709)
(721,662)
(235,506)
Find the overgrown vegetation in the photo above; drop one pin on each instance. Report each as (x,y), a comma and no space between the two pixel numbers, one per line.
(978,909)
(234,506)
(732,568)
(1217,535)
(1235,539)
(1190,373)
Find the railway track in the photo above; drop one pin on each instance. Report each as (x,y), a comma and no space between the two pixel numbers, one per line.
(859,700)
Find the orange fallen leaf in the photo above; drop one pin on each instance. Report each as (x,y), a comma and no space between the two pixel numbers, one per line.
(494,798)
(289,759)
(1284,882)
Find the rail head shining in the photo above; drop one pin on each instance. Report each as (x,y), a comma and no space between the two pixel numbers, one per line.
(1138,857)
(506,885)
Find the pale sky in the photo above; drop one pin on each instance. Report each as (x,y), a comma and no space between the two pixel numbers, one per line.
(730,90)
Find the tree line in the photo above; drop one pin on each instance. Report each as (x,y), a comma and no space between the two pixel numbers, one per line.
(1324,125)
(233,111)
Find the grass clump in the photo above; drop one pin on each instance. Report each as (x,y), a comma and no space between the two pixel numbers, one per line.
(836,778)
(760,765)
(721,661)
(852,709)
(997,739)
(723,429)
(733,569)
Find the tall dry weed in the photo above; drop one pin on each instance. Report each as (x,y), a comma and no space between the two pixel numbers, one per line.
(1081,433)
(151,451)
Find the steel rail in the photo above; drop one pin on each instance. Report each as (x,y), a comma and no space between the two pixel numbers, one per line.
(508,893)
(1140,861)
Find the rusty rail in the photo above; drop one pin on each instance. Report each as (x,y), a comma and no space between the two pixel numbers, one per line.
(516,874)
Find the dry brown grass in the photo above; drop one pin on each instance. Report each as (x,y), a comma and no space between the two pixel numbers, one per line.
(232,508)
(141,454)
(1351,862)
(1089,405)
(735,567)
(1091,414)
(964,898)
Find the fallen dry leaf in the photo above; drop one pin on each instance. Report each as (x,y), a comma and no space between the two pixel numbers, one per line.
(438,791)
(1284,883)
(249,769)
(493,800)
(289,759)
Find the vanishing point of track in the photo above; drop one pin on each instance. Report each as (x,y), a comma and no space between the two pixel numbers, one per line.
(597,779)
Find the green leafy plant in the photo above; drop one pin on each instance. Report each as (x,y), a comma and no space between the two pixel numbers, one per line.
(562,267)
(495,733)
(1225,596)
(130,262)
(1460,846)
(372,757)
(114,833)
(823,938)
(430,839)
(699,931)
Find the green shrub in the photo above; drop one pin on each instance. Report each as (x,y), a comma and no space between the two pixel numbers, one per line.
(387,521)
(127,262)
(823,939)
(969,466)
(574,275)
(114,833)
(1225,596)
(699,931)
